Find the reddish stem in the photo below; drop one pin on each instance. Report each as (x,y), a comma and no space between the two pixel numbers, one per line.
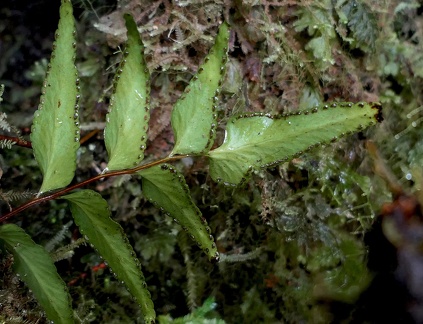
(28,144)
(17,140)
(61,192)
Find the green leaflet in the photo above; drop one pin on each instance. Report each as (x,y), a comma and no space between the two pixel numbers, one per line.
(194,116)
(258,140)
(125,134)
(35,267)
(55,129)
(92,216)
(167,188)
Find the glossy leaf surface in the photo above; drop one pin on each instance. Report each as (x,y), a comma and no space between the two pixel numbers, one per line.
(34,266)
(125,133)
(167,188)
(92,215)
(55,130)
(258,140)
(193,116)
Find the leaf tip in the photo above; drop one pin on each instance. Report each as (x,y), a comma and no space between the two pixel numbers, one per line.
(215,259)
(378,107)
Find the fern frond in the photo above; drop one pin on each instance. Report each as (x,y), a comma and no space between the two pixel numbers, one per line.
(60,236)
(241,257)
(18,133)
(13,195)
(6,143)
(67,251)
(179,34)
(191,278)
(4,125)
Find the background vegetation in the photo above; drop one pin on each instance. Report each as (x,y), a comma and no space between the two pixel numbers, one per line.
(295,239)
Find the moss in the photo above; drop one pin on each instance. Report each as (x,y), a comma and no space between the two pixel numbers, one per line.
(305,219)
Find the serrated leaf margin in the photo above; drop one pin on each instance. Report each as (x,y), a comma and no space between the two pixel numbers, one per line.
(92,215)
(126,128)
(194,117)
(34,266)
(55,128)
(243,150)
(166,187)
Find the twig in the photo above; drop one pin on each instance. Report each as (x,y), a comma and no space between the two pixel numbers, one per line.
(18,141)
(61,192)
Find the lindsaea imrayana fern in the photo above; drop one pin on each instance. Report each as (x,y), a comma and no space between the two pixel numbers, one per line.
(252,141)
